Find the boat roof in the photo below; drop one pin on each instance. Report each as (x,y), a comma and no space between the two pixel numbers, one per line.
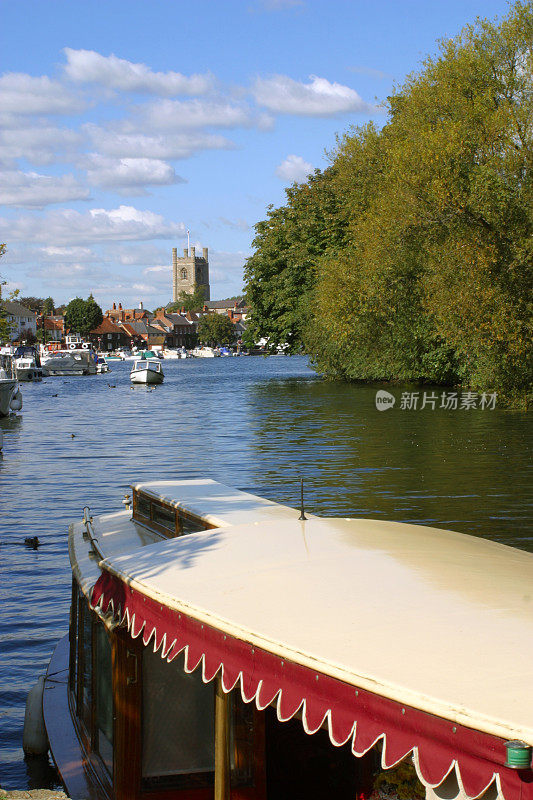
(394,608)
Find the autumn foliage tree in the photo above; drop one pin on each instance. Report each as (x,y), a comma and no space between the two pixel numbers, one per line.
(430,278)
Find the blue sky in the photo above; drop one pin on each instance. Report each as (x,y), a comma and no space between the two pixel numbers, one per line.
(125,123)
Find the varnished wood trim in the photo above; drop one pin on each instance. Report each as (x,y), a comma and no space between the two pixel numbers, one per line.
(179,516)
(222,742)
(127,700)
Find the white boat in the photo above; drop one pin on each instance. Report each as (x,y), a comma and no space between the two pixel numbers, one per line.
(27,364)
(10,394)
(27,370)
(102,365)
(147,370)
(221,645)
(205,352)
(171,354)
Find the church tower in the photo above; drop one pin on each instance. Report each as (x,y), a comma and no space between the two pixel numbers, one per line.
(189,272)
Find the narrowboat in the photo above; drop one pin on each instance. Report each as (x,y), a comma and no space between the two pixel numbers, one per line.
(225,646)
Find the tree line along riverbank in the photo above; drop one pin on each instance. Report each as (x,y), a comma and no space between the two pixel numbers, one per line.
(410,257)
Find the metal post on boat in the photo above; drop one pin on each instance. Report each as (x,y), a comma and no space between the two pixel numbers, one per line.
(222,737)
(302,511)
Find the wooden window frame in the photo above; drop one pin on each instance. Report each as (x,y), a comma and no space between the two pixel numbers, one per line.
(179,515)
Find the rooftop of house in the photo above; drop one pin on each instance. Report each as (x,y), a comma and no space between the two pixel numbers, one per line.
(53,323)
(15,309)
(107,326)
(232,302)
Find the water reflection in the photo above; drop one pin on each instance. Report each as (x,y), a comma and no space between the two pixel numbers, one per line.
(464,470)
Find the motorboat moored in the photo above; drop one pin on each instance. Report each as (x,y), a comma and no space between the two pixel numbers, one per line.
(70,362)
(27,364)
(147,370)
(10,394)
(224,646)
(101,365)
(205,352)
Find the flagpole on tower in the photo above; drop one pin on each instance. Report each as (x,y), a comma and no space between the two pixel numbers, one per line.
(188,243)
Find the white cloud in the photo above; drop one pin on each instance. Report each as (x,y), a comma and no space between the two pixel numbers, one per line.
(67,254)
(236,225)
(25,94)
(66,227)
(130,175)
(166,269)
(319,98)
(153,145)
(294,168)
(139,254)
(32,190)
(179,115)
(87,66)
(38,144)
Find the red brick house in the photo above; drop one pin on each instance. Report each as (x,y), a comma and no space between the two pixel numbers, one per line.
(109,336)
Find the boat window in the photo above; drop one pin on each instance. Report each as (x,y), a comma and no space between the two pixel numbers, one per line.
(178,725)
(166,519)
(164,516)
(73,638)
(242,744)
(190,525)
(104,697)
(85,663)
(142,505)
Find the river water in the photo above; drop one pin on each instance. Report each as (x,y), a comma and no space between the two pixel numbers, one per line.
(254,423)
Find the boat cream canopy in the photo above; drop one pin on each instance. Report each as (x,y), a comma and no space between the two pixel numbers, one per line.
(397,609)
(416,637)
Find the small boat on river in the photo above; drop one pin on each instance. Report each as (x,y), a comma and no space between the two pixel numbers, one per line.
(224,646)
(10,394)
(101,364)
(147,370)
(27,364)
(205,352)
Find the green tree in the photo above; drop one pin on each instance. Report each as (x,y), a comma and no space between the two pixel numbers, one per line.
(289,245)
(411,256)
(214,329)
(193,301)
(48,307)
(35,304)
(5,326)
(82,316)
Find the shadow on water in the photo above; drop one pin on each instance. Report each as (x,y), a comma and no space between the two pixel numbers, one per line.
(252,423)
